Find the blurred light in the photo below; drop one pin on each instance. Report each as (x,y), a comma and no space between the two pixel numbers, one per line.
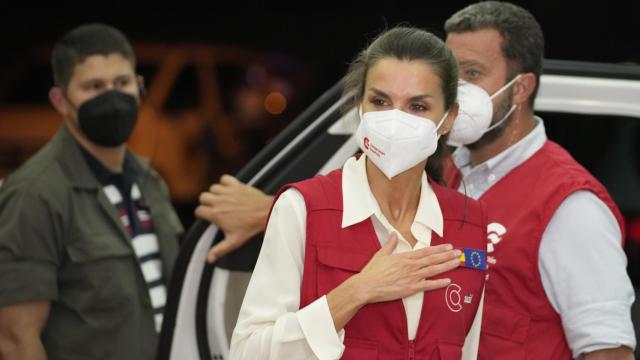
(275,103)
(256,75)
(633,229)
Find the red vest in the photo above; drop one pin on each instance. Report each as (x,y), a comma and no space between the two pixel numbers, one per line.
(518,321)
(379,331)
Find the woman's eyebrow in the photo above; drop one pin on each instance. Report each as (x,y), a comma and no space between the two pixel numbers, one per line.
(413,98)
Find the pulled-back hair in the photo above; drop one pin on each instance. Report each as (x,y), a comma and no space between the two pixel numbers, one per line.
(407,43)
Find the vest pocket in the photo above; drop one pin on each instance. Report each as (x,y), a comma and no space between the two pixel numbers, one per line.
(449,351)
(344,259)
(504,332)
(357,349)
(337,265)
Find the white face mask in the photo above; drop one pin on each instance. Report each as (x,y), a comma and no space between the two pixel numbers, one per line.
(475,113)
(396,141)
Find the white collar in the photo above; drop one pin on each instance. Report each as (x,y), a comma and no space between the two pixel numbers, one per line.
(359,204)
(508,159)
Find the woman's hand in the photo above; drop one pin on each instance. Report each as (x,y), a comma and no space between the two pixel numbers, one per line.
(390,276)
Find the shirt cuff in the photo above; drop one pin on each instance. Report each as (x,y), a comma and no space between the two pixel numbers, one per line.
(22,281)
(319,330)
(599,326)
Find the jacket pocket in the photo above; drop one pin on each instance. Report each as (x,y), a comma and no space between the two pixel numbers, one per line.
(92,247)
(101,275)
(503,331)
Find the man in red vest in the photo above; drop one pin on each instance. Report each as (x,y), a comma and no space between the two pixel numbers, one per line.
(557,285)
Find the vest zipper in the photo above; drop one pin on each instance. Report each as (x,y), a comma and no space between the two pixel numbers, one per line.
(412,354)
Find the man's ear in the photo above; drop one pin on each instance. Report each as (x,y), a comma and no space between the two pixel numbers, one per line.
(59,101)
(523,88)
(451,117)
(142,90)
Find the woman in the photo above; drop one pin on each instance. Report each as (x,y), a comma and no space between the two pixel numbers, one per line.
(354,265)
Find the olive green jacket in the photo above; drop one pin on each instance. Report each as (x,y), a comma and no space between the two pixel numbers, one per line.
(62,241)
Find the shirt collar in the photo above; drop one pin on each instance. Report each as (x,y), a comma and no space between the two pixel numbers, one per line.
(507,160)
(76,166)
(359,203)
(130,170)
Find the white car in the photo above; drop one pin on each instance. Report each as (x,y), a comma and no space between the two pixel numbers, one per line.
(592,109)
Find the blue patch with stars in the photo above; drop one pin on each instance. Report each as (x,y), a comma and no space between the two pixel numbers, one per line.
(474,259)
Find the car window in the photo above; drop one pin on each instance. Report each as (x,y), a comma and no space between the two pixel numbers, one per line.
(608,147)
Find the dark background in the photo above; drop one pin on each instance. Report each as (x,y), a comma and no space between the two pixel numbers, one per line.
(323,35)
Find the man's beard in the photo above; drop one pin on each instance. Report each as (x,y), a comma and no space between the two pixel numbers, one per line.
(492,135)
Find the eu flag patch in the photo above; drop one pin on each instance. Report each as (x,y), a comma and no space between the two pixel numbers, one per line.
(474,259)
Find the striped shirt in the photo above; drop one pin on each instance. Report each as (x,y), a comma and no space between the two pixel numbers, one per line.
(124,194)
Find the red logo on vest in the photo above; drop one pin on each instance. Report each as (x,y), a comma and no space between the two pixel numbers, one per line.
(366,143)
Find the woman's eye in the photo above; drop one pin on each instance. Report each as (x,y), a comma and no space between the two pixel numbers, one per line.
(418,107)
(378,102)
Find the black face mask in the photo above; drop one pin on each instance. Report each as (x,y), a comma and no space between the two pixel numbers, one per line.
(109,118)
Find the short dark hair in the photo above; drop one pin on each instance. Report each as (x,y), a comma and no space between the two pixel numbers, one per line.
(408,43)
(523,41)
(84,41)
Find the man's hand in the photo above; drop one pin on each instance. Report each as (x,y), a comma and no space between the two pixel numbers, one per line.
(239,210)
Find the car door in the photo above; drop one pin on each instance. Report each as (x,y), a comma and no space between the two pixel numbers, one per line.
(592,109)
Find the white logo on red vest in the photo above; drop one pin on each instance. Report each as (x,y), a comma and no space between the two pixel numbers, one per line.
(452,297)
(495,232)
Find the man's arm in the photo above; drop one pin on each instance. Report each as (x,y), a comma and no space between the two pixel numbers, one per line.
(620,353)
(20,328)
(30,247)
(239,210)
(583,271)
